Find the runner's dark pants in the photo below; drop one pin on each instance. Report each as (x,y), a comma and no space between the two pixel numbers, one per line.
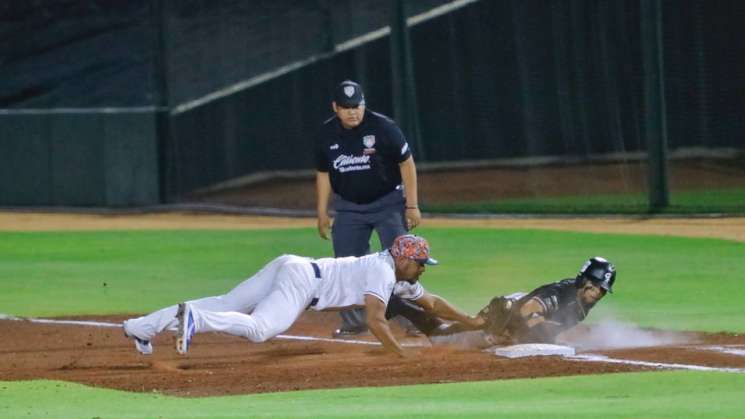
(425,322)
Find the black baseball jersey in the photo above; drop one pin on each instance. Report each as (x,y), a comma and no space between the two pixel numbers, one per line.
(363,162)
(561,308)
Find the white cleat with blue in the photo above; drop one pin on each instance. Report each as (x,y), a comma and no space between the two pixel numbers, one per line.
(186,328)
(143,346)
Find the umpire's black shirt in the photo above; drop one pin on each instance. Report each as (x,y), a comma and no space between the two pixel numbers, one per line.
(362,162)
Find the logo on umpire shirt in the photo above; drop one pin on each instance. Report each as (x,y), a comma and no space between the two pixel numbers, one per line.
(369,142)
(345,163)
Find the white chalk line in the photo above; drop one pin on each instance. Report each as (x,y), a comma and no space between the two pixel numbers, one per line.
(115,325)
(661,365)
(581,357)
(67,322)
(738,350)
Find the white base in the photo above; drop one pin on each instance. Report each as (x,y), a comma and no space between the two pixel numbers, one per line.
(530,349)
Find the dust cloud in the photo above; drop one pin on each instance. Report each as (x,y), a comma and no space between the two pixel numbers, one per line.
(610,333)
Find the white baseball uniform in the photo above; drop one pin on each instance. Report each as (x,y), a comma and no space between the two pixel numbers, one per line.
(269,302)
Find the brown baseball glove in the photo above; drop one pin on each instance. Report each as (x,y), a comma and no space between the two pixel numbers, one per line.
(497,315)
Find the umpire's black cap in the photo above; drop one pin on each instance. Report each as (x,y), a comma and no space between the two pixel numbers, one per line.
(348,94)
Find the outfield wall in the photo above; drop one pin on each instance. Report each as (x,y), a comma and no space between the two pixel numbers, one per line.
(84,158)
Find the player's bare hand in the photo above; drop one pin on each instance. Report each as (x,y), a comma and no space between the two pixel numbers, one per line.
(413,218)
(324,226)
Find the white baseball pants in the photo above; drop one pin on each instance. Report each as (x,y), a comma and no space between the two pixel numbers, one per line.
(275,297)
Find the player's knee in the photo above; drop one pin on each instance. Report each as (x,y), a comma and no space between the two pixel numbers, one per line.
(256,334)
(263,331)
(265,334)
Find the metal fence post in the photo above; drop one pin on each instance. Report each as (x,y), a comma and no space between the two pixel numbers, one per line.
(655,124)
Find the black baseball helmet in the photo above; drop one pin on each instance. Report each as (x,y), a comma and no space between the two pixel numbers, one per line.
(598,270)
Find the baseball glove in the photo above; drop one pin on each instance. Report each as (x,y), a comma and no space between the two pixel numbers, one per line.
(497,315)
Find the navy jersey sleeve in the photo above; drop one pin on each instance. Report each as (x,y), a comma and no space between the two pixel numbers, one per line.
(399,147)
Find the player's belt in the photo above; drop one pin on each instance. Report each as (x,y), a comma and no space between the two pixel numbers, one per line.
(317,271)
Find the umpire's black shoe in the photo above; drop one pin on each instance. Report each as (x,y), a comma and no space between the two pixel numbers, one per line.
(350,333)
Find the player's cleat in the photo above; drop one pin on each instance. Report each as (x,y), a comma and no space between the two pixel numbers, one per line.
(350,333)
(143,346)
(186,328)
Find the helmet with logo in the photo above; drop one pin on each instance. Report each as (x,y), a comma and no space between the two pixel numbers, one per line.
(599,271)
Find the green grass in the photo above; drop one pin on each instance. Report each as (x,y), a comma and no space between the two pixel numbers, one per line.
(666,282)
(651,395)
(132,272)
(731,201)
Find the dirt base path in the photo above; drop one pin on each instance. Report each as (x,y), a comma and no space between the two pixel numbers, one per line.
(221,365)
(732,228)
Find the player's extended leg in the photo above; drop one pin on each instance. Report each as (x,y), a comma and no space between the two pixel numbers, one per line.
(290,295)
(242,298)
(248,294)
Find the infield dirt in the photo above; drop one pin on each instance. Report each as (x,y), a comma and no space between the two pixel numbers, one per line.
(221,365)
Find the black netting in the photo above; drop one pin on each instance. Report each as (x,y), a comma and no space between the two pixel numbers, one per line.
(542,101)
(65,53)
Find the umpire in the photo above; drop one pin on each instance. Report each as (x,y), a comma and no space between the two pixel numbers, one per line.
(362,157)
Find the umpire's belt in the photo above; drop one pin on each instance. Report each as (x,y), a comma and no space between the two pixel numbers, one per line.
(317,271)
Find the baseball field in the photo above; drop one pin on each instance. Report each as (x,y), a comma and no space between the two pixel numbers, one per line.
(667,343)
